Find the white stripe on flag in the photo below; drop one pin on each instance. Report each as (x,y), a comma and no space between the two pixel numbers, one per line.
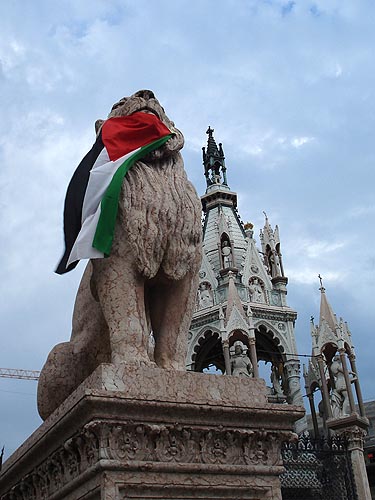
(100,177)
(82,248)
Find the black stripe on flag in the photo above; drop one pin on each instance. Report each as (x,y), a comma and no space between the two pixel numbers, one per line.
(74,202)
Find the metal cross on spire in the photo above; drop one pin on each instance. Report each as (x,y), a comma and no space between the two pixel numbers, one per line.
(321,282)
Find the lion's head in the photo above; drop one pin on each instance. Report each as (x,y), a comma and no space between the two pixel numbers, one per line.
(145,101)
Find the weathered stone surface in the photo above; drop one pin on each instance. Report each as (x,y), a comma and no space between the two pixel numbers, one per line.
(148,283)
(141,432)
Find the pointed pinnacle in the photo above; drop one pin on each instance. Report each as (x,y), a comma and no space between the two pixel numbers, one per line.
(321,283)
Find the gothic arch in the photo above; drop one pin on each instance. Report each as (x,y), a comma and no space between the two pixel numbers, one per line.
(208,351)
(268,345)
(314,386)
(348,349)
(201,333)
(238,335)
(224,237)
(329,349)
(270,350)
(264,323)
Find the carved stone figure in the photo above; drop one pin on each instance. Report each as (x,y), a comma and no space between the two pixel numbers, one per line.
(226,252)
(240,363)
(339,396)
(273,269)
(275,380)
(256,292)
(204,296)
(148,283)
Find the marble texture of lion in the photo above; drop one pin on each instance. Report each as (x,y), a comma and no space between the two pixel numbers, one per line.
(149,282)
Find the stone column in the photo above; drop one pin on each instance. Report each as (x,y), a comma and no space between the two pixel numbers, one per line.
(292,368)
(252,343)
(228,369)
(355,438)
(357,385)
(224,170)
(253,357)
(310,396)
(224,341)
(355,434)
(281,264)
(327,405)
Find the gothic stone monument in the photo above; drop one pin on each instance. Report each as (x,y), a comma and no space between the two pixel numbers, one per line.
(242,293)
(328,372)
(124,423)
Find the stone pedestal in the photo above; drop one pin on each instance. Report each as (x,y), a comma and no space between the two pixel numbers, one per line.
(143,433)
(354,429)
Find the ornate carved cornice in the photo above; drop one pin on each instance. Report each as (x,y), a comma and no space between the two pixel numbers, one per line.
(204,320)
(273,315)
(77,455)
(136,443)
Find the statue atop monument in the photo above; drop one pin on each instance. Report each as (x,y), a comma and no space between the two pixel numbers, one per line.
(148,283)
(339,398)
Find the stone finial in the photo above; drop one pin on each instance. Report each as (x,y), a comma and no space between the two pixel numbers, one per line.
(214,161)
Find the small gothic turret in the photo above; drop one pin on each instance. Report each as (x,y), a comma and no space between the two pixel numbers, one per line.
(215,172)
(270,241)
(331,349)
(214,161)
(333,370)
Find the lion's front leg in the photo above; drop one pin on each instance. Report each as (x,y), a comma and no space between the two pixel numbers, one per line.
(121,295)
(171,308)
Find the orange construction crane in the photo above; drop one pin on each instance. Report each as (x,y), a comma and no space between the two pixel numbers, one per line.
(20,374)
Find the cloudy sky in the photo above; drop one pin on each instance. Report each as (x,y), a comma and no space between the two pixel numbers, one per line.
(288,87)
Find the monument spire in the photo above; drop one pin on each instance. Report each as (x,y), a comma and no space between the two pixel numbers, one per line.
(326,311)
(214,161)
(270,240)
(333,370)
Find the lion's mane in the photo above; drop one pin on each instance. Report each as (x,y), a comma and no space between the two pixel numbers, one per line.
(155,200)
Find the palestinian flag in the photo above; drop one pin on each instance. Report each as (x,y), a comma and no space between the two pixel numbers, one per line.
(92,197)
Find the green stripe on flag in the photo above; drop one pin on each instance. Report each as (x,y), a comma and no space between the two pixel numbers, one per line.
(109,205)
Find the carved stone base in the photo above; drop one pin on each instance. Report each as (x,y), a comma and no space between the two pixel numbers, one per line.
(135,432)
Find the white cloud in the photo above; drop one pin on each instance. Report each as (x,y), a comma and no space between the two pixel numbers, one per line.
(316,249)
(297,142)
(361,210)
(338,70)
(11,54)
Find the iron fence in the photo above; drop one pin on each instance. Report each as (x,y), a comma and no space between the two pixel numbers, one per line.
(317,470)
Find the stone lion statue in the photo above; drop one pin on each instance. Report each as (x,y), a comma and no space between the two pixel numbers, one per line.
(147,285)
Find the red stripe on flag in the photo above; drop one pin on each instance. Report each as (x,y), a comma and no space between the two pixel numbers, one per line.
(124,134)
